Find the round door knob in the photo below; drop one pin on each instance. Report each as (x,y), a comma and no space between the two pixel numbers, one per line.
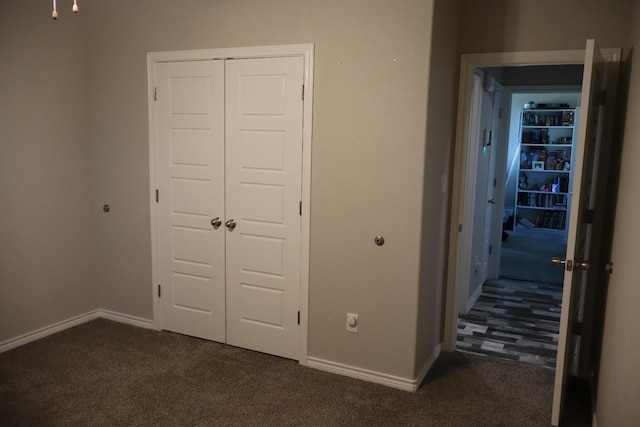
(216,222)
(231,224)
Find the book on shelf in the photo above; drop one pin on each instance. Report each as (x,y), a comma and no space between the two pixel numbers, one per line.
(554,220)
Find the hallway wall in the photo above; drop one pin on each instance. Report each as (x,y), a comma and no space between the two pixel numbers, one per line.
(619,381)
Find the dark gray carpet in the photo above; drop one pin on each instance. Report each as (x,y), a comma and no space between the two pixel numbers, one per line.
(526,255)
(108,374)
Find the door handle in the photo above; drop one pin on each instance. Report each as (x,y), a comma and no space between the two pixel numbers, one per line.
(231,224)
(582,265)
(492,201)
(216,222)
(568,264)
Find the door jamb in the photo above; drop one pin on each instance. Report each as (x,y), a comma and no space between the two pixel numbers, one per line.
(460,228)
(307,52)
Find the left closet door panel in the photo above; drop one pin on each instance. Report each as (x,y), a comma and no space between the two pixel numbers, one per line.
(189,130)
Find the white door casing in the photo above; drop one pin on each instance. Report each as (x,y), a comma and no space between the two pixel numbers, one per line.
(267,164)
(189,129)
(461,223)
(460,227)
(263,194)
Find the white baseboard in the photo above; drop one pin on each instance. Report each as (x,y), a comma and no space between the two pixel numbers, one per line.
(428,364)
(70,323)
(372,376)
(312,362)
(48,330)
(125,318)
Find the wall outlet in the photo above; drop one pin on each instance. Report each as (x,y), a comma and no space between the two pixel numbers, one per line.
(352,323)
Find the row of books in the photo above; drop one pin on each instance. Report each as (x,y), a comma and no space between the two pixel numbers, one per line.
(536,118)
(554,220)
(542,200)
(551,220)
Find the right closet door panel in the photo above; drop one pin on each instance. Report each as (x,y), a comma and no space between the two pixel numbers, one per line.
(263,174)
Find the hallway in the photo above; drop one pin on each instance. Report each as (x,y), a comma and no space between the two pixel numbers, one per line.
(515,320)
(517,316)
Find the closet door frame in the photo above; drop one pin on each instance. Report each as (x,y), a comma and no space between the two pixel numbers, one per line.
(307,52)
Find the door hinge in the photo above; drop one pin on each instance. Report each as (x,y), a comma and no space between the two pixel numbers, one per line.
(500,113)
(298,317)
(602,97)
(587,216)
(159,291)
(459,228)
(300,207)
(302,94)
(577,328)
(490,249)
(155,94)
(157,195)
(495,182)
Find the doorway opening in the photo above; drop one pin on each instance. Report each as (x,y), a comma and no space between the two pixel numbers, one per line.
(460,259)
(577,348)
(514,311)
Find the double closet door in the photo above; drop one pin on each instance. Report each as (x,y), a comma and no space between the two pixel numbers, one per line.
(228,165)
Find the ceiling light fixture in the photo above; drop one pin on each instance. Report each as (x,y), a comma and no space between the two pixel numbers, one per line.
(54,15)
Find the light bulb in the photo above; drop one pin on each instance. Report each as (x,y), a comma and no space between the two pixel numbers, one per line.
(75,7)
(54,15)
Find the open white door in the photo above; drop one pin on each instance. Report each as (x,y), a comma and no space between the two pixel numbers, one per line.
(579,244)
(489,132)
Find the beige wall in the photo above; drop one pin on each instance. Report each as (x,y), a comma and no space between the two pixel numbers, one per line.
(442,102)
(368,154)
(619,383)
(47,235)
(524,25)
(75,137)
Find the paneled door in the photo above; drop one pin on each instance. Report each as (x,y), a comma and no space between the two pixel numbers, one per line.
(229,165)
(581,241)
(263,193)
(189,156)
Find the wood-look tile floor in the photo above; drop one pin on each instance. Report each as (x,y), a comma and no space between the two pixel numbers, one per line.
(515,320)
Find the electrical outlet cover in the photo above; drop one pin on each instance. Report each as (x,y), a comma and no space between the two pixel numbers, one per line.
(352,323)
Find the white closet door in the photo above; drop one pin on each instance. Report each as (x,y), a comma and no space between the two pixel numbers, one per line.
(189,134)
(263,189)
